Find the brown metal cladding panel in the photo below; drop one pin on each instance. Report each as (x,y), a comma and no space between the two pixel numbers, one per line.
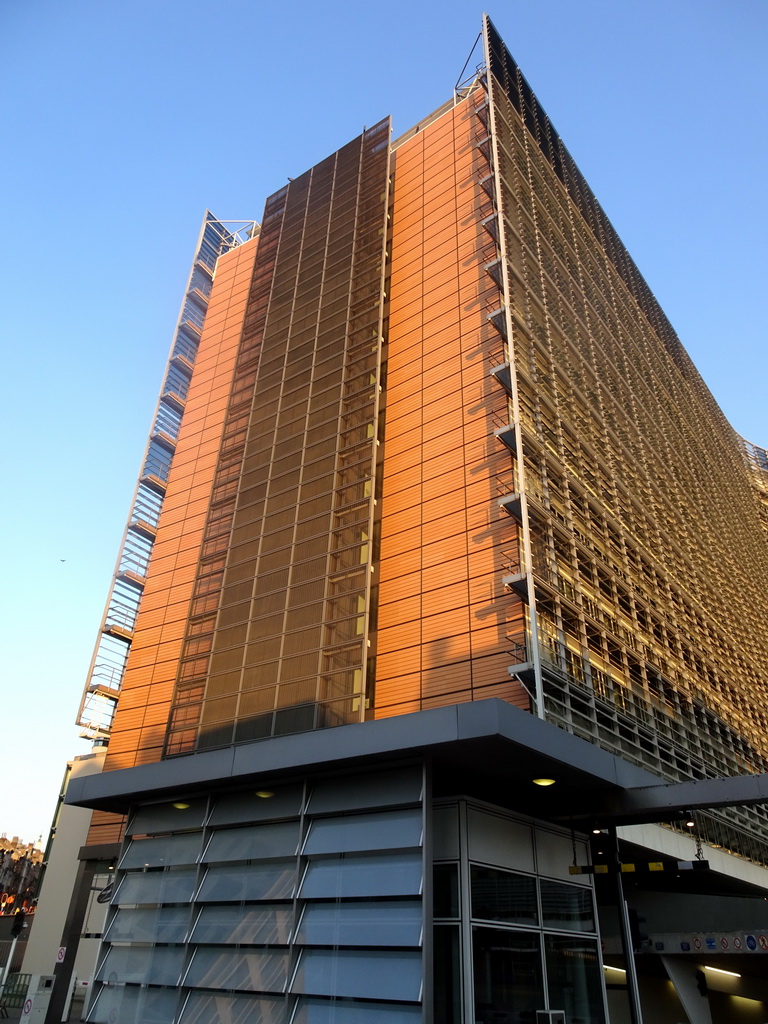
(401,522)
(391,707)
(451,627)
(405,499)
(404,587)
(439,420)
(405,422)
(451,684)
(445,700)
(408,560)
(105,828)
(511,691)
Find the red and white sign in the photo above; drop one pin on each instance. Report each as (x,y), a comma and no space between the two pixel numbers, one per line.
(697,943)
(762,941)
(736,942)
(27,1008)
(61,954)
(724,942)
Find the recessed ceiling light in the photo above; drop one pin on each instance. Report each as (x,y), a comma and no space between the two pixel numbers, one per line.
(181,806)
(544,782)
(265,794)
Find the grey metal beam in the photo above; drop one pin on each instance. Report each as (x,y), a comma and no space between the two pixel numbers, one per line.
(736,791)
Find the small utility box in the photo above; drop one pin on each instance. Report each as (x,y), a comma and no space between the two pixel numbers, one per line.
(38,997)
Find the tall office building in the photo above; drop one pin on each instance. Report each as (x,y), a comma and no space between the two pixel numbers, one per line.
(450,514)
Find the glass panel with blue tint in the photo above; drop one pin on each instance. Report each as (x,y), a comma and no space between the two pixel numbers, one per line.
(380,789)
(388,830)
(171,886)
(133,1005)
(162,850)
(254,842)
(366,875)
(167,817)
(268,881)
(352,1011)
(261,805)
(264,925)
(142,965)
(246,970)
(371,974)
(391,923)
(152,924)
(231,1008)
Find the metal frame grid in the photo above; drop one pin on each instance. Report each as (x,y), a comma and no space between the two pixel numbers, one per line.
(645,567)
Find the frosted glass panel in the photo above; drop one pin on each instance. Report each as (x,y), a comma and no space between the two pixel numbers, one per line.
(263,971)
(148,965)
(133,1006)
(162,850)
(323,1011)
(266,925)
(284,802)
(161,924)
(157,886)
(361,924)
(249,882)
(371,975)
(372,875)
(380,789)
(254,842)
(168,817)
(383,831)
(207,1008)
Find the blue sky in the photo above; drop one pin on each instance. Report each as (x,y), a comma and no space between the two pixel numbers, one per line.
(122,122)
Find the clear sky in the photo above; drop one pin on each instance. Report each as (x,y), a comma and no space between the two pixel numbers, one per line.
(122,122)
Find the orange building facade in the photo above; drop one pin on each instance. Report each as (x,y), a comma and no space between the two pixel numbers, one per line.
(446,623)
(439,524)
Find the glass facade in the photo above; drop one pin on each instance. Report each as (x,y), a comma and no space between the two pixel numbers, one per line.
(277,636)
(255,907)
(525,941)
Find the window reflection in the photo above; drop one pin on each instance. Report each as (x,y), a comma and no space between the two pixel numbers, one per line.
(566,907)
(508,977)
(573,978)
(503,896)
